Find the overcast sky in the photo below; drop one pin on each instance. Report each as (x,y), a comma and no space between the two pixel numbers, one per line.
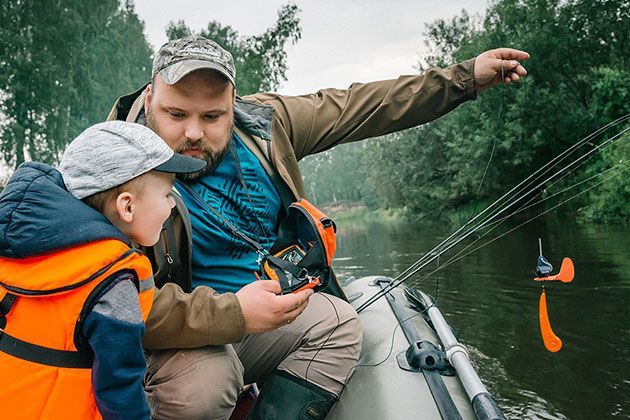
(343,41)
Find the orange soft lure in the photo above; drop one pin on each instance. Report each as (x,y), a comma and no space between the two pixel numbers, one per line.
(543,273)
(550,339)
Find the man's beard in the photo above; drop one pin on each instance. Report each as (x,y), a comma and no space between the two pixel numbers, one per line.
(211,157)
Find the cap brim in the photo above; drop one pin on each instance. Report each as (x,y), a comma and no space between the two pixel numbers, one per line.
(175,72)
(180,164)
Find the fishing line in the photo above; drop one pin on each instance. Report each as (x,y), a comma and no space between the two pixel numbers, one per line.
(486,168)
(389,352)
(391,345)
(308,366)
(358,364)
(494,142)
(458,236)
(485,171)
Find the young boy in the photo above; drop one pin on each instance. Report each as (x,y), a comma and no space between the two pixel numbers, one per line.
(74,290)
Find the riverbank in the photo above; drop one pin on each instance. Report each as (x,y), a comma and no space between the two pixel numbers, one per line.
(357,212)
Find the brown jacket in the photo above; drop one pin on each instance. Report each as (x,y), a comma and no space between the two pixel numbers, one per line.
(286,128)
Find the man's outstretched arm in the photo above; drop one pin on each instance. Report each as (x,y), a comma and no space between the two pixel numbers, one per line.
(322,120)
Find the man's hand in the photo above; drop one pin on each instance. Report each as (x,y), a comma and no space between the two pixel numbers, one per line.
(488,67)
(265,310)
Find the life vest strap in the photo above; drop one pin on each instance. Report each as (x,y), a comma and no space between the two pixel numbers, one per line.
(5,307)
(44,355)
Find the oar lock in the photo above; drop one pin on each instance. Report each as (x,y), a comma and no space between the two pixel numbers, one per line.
(424,355)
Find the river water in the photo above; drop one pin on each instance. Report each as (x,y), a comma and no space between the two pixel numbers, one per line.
(491,301)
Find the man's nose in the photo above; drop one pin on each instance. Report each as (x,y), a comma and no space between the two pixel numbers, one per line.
(193,131)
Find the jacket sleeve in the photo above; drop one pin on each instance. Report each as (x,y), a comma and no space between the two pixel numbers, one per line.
(196,319)
(319,121)
(114,330)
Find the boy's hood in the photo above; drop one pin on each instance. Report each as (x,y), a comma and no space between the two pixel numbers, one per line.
(39,216)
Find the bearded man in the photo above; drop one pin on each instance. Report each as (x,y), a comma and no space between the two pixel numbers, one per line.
(213,328)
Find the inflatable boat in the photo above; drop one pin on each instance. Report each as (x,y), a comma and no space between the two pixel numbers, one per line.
(411,364)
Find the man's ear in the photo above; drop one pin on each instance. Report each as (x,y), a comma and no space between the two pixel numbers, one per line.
(148,97)
(125,207)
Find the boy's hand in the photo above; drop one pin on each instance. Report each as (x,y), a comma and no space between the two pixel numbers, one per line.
(264,309)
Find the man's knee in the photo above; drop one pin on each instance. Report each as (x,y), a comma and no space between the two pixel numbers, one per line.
(350,331)
(333,344)
(193,383)
(341,325)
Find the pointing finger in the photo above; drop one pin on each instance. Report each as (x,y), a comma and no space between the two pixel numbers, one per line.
(510,54)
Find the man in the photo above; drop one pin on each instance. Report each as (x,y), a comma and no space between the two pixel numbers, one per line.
(204,346)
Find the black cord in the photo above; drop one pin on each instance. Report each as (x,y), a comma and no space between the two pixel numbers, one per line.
(325,341)
(391,345)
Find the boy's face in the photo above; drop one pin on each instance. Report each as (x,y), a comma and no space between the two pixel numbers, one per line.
(151,207)
(194,116)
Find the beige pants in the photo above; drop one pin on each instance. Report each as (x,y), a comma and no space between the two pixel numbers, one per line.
(321,345)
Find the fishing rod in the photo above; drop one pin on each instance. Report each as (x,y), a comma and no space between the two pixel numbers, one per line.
(517,190)
(453,240)
(446,242)
(507,200)
(496,223)
(584,158)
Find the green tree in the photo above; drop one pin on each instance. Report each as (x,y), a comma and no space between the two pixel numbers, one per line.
(578,81)
(260,60)
(331,176)
(63,63)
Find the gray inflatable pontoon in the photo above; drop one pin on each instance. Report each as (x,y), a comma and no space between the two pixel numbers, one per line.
(411,365)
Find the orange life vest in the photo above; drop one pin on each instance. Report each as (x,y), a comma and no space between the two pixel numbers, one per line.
(42,304)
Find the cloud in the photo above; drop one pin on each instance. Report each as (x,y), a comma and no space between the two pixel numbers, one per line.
(342,41)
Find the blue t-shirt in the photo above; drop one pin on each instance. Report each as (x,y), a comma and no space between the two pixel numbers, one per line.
(220,259)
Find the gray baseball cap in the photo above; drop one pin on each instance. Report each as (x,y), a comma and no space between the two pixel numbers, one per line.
(111,153)
(179,57)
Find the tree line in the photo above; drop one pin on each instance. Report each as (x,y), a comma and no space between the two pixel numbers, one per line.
(579,80)
(63,63)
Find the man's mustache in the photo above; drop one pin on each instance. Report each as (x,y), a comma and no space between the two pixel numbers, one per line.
(189,145)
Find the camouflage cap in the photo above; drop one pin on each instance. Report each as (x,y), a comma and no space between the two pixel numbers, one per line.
(179,57)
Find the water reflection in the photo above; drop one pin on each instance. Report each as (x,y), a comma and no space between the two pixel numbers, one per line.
(489,297)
